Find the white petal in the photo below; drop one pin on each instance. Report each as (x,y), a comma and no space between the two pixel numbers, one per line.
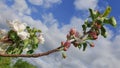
(23,35)
(41,39)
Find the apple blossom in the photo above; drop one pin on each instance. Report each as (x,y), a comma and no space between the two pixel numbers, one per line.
(3,32)
(26,49)
(17,26)
(68,36)
(41,39)
(23,35)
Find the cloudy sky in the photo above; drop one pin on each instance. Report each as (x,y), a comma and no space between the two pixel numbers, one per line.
(55,18)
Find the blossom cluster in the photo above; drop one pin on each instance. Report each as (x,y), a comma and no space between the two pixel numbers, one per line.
(19,34)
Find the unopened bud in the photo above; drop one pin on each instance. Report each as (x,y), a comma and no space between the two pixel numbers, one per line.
(72,31)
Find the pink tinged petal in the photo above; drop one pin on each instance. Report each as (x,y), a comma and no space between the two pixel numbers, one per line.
(68,36)
(65,48)
(23,35)
(92,45)
(67,44)
(41,39)
(77,34)
(62,43)
(72,31)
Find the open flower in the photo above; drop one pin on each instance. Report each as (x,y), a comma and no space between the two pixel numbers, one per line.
(17,26)
(41,39)
(3,32)
(23,35)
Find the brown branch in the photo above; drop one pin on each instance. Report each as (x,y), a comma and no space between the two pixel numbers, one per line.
(5,40)
(32,55)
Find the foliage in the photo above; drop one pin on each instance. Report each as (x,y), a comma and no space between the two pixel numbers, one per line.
(6,62)
(22,37)
(23,64)
(92,28)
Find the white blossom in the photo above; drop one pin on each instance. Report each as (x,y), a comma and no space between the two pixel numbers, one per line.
(17,26)
(23,35)
(3,32)
(26,49)
(41,39)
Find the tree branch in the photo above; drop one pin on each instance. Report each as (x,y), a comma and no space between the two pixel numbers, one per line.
(6,40)
(32,55)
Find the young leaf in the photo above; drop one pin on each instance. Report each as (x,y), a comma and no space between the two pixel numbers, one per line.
(92,14)
(30,51)
(84,46)
(84,26)
(107,11)
(26,42)
(64,55)
(79,46)
(35,39)
(103,32)
(13,35)
(112,21)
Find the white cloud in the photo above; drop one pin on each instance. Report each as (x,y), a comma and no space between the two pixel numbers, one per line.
(48,19)
(21,7)
(45,3)
(36,2)
(85,4)
(74,23)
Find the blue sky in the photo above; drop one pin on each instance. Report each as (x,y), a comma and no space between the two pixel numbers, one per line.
(55,18)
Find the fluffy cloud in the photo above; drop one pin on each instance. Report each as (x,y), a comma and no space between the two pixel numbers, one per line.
(104,55)
(85,4)
(21,7)
(45,3)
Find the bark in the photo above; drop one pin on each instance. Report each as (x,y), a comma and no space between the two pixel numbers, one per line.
(32,55)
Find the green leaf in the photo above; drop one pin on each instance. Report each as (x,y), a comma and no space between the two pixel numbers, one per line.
(112,21)
(64,54)
(84,46)
(87,24)
(34,46)
(9,50)
(106,21)
(13,35)
(39,31)
(92,14)
(79,46)
(84,26)
(30,51)
(107,11)
(35,39)
(103,32)
(26,42)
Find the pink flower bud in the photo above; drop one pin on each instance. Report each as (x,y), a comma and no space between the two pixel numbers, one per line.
(68,36)
(62,43)
(92,45)
(72,31)
(67,44)
(95,37)
(65,48)
(77,34)
(93,34)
